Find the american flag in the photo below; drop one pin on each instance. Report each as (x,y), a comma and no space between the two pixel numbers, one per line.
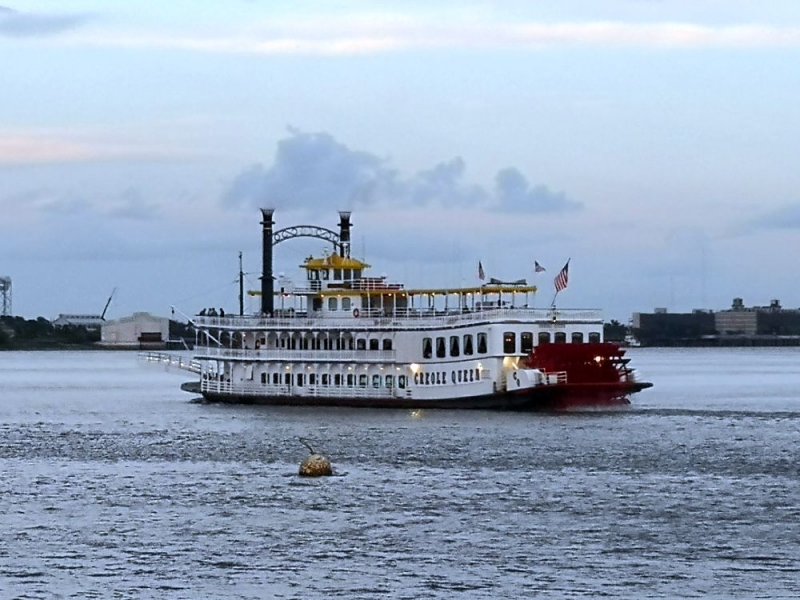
(562,278)
(481,274)
(537,268)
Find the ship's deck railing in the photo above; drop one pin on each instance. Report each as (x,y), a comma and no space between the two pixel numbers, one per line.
(359,356)
(171,361)
(257,389)
(407,319)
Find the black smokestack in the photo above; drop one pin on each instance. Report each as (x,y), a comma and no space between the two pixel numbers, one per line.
(267,284)
(344,233)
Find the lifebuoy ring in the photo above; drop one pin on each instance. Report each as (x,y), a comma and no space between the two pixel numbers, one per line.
(356,313)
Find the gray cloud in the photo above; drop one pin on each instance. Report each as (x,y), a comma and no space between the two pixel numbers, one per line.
(132,205)
(18,24)
(514,193)
(313,170)
(786,217)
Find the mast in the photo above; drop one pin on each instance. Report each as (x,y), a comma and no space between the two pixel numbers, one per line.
(241,286)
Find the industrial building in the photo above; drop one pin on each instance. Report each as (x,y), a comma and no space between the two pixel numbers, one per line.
(89,322)
(141,330)
(738,325)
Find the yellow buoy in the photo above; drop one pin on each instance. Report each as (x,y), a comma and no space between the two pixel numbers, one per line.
(315,465)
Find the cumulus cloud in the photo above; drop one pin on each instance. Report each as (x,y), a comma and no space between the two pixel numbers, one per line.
(18,24)
(514,193)
(313,170)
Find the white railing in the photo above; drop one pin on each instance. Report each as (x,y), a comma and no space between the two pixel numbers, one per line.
(361,356)
(409,319)
(171,361)
(256,389)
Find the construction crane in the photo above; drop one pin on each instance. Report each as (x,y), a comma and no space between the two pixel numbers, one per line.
(108,302)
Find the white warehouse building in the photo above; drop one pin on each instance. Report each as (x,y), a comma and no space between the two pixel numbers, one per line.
(140,330)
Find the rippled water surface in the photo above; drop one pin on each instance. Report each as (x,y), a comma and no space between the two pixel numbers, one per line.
(115,485)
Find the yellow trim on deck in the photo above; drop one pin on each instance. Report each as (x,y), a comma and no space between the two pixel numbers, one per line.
(486,289)
(333,261)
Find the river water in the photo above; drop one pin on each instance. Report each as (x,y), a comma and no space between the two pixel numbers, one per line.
(115,485)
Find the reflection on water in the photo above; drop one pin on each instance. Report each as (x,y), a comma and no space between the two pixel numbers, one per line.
(115,484)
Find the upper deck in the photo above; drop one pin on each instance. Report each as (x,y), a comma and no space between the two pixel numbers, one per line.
(404,319)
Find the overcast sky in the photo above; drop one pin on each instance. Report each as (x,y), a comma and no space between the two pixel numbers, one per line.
(654,143)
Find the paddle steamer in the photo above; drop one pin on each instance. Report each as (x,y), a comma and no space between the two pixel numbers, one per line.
(350,339)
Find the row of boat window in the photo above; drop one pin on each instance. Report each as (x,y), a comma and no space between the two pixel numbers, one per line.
(330,343)
(336,379)
(333,303)
(440,377)
(463,344)
(338,274)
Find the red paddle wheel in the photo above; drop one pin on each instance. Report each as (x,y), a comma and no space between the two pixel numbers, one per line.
(588,374)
